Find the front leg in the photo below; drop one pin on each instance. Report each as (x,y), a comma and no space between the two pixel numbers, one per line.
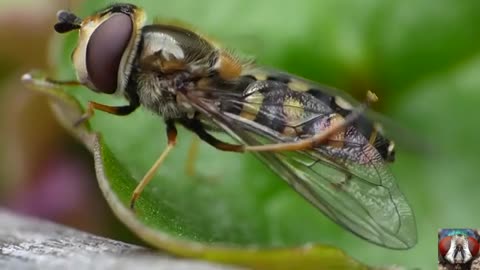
(39,82)
(117,110)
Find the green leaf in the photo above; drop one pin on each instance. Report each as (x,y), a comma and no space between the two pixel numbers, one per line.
(421,57)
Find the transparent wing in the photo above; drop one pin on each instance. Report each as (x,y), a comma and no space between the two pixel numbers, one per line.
(351,184)
(361,197)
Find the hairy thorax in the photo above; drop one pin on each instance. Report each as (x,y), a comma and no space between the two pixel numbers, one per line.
(159,95)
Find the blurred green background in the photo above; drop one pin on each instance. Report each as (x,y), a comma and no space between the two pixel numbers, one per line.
(422,58)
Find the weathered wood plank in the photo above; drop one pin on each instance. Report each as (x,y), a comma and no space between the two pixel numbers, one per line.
(28,243)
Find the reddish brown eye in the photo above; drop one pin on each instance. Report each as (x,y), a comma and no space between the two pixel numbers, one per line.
(105,49)
(444,245)
(473,246)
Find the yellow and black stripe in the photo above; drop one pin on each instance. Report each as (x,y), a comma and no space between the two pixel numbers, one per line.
(279,99)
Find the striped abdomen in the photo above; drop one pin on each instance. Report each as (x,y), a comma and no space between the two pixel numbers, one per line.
(295,108)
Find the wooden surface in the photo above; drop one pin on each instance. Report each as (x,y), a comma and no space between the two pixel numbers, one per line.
(28,243)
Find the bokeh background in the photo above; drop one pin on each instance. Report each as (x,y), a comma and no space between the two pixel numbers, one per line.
(422,58)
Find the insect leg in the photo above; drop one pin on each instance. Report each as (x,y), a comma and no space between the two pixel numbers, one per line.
(42,83)
(172,140)
(36,79)
(62,83)
(309,143)
(117,110)
(192,156)
(196,126)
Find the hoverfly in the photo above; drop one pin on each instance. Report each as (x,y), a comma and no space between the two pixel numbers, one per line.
(317,139)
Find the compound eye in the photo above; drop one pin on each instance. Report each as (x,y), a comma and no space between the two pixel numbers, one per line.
(105,49)
(444,245)
(473,246)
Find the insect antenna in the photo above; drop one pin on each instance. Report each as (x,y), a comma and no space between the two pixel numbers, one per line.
(67,21)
